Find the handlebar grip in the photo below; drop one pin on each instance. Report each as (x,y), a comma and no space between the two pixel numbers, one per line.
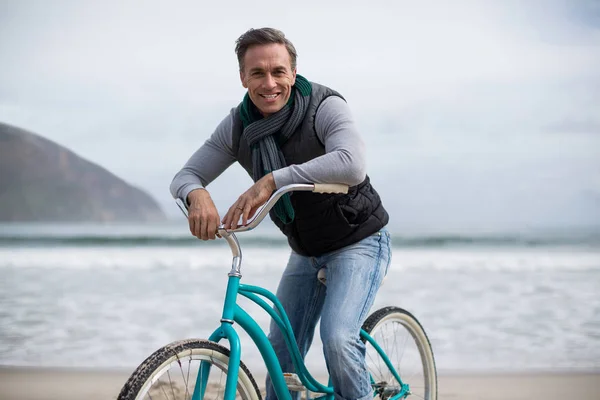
(330,188)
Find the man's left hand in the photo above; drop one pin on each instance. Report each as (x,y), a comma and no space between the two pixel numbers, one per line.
(250,201)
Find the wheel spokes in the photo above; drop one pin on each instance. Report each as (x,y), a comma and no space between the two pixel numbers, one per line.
(406,352)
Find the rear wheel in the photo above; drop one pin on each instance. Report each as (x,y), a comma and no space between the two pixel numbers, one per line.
(171,372)
(404,341)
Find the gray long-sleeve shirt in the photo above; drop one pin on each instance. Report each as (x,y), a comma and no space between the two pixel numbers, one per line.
(343,162)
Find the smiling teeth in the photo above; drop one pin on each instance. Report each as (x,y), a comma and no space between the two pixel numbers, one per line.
(269,96)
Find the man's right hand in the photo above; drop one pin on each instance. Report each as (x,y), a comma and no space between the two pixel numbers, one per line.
(202,215)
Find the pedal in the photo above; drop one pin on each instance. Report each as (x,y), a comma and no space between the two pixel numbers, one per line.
(293,382)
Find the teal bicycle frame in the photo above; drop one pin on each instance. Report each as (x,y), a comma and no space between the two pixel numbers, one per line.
(233,313)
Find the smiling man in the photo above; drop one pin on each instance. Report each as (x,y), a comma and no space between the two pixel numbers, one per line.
(290,130)
(267,74)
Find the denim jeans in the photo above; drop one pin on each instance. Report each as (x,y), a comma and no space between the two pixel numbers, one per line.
(353,275)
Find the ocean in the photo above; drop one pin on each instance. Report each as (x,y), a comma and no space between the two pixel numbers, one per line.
(107,296)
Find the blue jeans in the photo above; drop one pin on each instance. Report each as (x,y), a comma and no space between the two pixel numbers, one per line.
(353,275)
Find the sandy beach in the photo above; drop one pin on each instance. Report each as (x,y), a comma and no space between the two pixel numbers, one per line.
(20,383)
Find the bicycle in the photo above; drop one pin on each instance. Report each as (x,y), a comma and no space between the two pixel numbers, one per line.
(197,359)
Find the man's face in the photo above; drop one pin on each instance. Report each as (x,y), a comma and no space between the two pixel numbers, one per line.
(268,76)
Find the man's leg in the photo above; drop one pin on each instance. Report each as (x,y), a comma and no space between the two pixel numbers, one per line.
(302,296)
(354,274)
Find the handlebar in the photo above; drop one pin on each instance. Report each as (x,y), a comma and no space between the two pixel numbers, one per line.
(265,208)
(229,235)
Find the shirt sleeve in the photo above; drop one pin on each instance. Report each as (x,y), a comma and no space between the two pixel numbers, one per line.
(208,162)
(345,159)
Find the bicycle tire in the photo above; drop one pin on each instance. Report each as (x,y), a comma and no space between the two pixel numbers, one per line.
(149,374)
(397,323)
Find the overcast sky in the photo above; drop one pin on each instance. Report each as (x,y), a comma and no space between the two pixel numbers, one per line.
(477,114)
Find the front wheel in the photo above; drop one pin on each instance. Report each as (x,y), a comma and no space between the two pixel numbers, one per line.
(405,343)
(171,372)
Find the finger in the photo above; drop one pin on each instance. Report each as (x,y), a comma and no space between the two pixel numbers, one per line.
(235,218)
(237,212)
(212,229)
(216,222)
(225,218)
(192,226)
(203,229)
(228,218)
(246,213)
(195,226)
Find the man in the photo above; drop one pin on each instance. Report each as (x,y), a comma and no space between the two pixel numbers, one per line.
(289,130)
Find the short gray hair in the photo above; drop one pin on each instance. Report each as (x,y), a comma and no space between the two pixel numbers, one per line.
(260,36)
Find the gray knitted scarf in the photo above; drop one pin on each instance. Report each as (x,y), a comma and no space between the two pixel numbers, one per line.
(266,135)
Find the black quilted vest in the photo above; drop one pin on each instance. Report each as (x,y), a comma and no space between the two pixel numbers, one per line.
(323,222)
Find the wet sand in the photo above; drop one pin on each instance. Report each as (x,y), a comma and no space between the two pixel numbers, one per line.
(21,383)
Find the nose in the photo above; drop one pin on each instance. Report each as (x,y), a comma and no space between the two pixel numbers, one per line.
(269,82)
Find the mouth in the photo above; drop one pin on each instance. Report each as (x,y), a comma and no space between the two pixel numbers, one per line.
(270,97)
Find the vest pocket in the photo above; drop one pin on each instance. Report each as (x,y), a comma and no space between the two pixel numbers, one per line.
(358,208)
(346,214)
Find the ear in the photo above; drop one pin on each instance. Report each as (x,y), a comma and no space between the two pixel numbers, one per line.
(293,76)
(243,79)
